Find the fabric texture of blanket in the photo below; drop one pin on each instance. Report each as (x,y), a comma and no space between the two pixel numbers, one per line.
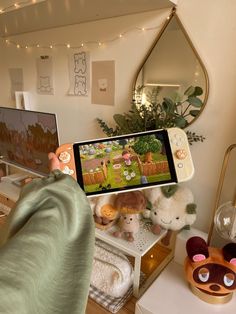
(112,272)
(46,249)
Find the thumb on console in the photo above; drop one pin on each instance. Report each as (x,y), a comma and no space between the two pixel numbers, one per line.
(54,162)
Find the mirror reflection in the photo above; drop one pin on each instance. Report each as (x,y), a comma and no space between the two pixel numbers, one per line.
(173,77)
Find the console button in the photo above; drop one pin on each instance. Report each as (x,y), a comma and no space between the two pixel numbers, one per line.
(180,165)
(181,154)
(67,170)
(64,157)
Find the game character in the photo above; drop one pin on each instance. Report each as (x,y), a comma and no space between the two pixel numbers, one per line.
(126,156)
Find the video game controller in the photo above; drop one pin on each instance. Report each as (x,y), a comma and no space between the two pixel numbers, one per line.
(181,154)
(65,154)
(114,164)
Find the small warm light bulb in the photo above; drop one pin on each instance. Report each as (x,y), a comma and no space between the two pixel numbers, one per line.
(99,44)
(7,41)
(50,46)
(26,47)
(82,45)
(168,18)
(1,11)
(37,46)
(120,35)
(18,46)
(143,29)
(68,45)
(151,256)
(16,5)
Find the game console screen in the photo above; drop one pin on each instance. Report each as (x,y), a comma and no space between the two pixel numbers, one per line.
(126,162)
(26,138)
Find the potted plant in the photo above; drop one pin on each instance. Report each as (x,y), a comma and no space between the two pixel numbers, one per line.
(175,111)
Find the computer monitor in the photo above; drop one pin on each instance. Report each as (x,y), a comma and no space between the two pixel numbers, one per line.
(26,138)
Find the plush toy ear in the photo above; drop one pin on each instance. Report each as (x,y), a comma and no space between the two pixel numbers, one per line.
(229,253)
(169,190)
(197,249)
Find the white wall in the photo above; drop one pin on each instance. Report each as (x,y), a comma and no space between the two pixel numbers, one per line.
(77,112)
(210,24)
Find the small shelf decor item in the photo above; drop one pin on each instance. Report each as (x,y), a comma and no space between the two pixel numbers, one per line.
(211,271)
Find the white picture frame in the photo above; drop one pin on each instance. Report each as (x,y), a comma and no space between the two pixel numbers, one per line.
(22,100)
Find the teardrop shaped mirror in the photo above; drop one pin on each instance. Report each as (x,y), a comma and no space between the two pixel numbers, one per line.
(172,81)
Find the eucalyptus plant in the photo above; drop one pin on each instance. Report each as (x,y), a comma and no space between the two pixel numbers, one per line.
(154,114)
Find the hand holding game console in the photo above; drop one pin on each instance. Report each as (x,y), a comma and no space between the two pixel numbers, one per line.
(54,162)
(154,158)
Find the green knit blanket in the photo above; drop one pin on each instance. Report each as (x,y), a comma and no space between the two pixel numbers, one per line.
(46,249)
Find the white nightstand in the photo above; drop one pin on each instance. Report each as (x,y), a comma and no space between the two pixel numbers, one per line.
(170,294)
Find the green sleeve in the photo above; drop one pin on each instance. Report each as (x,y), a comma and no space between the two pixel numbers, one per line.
(47,249)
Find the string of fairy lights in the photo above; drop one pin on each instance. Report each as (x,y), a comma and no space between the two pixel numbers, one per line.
(68,45)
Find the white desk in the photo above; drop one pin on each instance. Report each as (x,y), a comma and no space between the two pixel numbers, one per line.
(9,191)
(170,294)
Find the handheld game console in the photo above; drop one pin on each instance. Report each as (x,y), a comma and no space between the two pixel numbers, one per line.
(133,161)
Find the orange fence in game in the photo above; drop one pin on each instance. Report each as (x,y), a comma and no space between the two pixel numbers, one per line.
(97,177)
(152,168)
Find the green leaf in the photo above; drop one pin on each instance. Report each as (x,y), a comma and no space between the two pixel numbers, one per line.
(191,208)
(190,91)
(168,105)
(180,122)
(149,205)
(186,227)
(194,101)
(122,122)
(176,97)
(194,113)
(169,190)
(198,91)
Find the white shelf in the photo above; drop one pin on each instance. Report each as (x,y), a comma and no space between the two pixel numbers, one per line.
(144,240)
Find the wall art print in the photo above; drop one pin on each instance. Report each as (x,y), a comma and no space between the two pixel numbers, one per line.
(45,75)
(79,73)
(103,82)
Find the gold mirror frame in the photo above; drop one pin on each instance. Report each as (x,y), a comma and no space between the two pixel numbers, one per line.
(168,20)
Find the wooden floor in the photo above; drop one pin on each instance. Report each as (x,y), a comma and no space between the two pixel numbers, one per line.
(94,308)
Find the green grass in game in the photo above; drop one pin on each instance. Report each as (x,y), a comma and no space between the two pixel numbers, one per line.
(121,175)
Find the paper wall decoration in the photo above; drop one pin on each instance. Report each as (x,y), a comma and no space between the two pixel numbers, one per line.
(45,75)
(79,73)
(103,82)
(16,78)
